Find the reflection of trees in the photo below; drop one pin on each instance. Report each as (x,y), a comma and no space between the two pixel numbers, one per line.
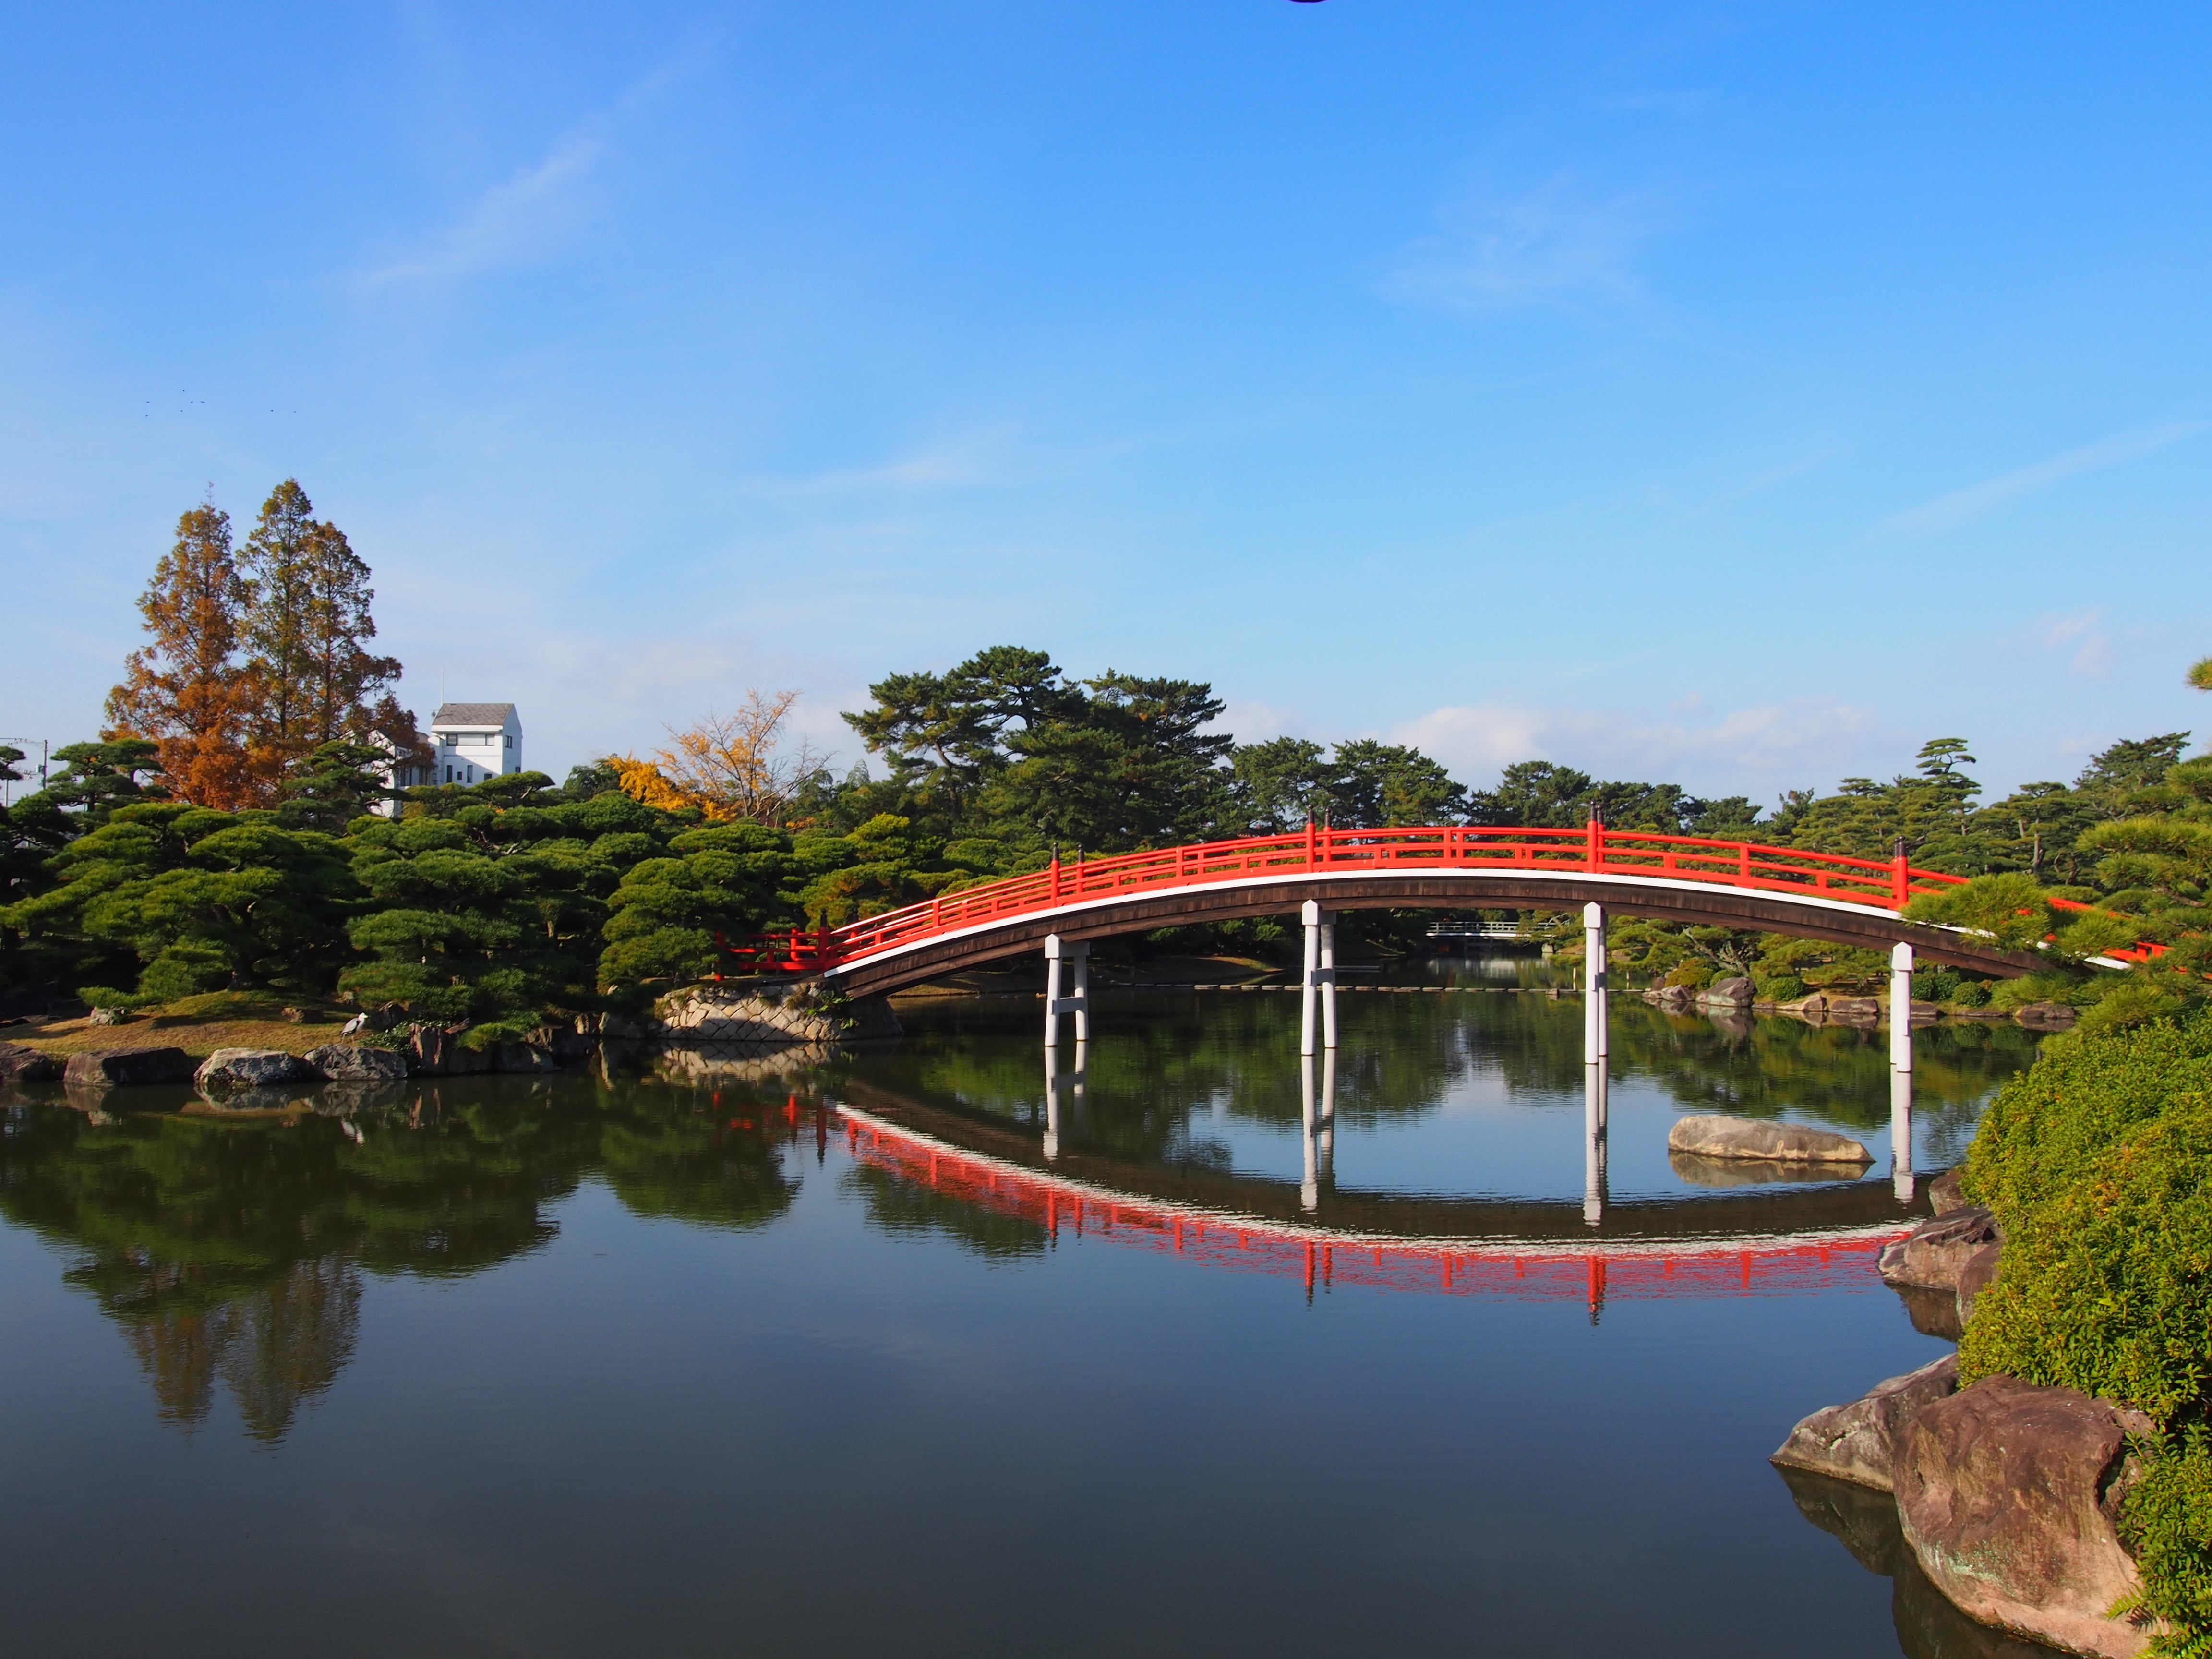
(897,1205)
(693,1165)
(233,1250)
(276,1345)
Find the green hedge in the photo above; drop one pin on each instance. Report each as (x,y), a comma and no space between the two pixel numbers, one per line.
(2098,1161)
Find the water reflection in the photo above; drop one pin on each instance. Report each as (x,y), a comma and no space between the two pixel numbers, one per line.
(230,1247)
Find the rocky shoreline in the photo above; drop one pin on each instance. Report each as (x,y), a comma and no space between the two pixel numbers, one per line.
(2007,1495)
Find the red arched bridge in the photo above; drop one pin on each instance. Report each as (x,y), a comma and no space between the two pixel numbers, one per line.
(1685,878)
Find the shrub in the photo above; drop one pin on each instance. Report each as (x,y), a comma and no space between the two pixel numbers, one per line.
(2167,1523)
(1970,993)
(2107,1284)
(2050,1123)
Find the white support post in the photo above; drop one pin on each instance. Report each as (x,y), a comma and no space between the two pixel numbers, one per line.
(1318,984)
(1076,955)
(1051,1099)
(1051,991)
(1900,1008)
(1327,1138)
(1329,983)
(1054,1082)
(1309,1120)
(1593,1140)
(1900,1134)
(1594,979)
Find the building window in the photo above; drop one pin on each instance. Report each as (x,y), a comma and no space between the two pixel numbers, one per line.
(510,741)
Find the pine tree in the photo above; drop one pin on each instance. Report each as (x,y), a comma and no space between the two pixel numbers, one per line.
(307,628)
(187,691)
(276,565)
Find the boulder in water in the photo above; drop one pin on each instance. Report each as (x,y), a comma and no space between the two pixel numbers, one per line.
(250,1069)
(2008,1494)
(1858,1441)
(1715,1136)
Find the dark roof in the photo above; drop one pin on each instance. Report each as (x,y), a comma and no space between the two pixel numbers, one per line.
(473,713)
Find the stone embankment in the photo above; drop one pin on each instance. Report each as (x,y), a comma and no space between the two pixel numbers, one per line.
(1728,997)
(2008,1494)
(721,1030)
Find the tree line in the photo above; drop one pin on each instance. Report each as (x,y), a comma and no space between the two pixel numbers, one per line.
(218,836)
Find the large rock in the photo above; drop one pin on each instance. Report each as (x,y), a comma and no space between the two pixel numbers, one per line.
(343,1062)
(1855,1010)
(525,1057)
(1858,1441)
(2008,1494)
(20,1064)
(250,1069)
(1735,993)
(1713,1136)
(2045,1017)
(1933,1253)
(111,1068)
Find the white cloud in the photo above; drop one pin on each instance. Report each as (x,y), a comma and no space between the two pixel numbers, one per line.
(1555,244)
(1962,506)
(2080,638)
(1799,742)
(516,217)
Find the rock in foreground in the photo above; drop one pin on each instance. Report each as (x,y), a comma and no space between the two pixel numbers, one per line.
(112,1068)
(249,1068)
(2008,1494)
(1858,1441)
(20,1064)
(341,1063)
(1934,1253)
(1715,1136)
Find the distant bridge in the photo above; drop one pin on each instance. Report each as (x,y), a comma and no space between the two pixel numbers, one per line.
(1684,879)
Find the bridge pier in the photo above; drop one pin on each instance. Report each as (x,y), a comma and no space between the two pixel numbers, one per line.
(1318,983)
(1595,979)
(1075,954)
(1318,1115)
(1900,1135)
(1593,1140)
(1900,1008)
(1054,1082)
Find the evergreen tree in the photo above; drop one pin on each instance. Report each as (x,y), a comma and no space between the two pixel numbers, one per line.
(307,625)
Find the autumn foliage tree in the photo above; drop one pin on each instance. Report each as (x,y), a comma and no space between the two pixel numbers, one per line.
(258,658)
(188,691)
(732,768)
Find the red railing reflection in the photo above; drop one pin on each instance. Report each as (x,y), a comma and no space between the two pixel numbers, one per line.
(1588,1270)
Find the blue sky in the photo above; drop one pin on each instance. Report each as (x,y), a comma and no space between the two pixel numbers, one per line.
(1737,395)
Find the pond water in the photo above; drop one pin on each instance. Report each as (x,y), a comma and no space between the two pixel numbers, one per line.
(827,1354)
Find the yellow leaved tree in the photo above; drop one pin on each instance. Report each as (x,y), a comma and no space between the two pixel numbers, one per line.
(734,768)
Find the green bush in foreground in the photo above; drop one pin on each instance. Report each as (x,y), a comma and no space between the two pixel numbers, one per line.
(2098,1161)
(2169,1524)
(2107,1286)
(2051,1124)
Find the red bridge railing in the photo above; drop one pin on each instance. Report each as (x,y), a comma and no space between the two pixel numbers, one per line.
(1879,885)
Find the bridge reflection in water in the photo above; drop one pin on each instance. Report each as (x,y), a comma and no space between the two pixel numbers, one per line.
(1761,1241)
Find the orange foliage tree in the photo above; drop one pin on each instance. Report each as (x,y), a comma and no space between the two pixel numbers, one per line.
(187,691)
(734,768)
